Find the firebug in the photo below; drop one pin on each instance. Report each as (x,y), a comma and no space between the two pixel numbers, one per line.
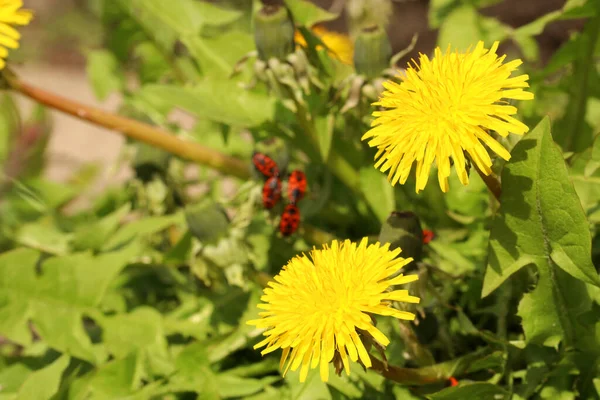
(427,236)
(290,220)
(271,192)
(265,165)
(296,186)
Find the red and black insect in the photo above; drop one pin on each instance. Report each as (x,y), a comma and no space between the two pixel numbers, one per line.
(427,236)
(265,165)
(271,192)
(296,186)
(290,220)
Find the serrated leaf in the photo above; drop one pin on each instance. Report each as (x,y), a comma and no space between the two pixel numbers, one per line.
(93,236)
(44,235)
(142,332)
(43,384)
(378,192)
(308,14)
(56,298)
(541,222)
(117,379)
(218,55)
(479,390)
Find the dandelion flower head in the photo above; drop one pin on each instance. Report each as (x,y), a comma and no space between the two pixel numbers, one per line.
(445,107)
(317,308)
(11,14)
(338,44)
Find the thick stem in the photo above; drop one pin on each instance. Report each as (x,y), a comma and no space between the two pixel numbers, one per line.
(136,130)
(491,182)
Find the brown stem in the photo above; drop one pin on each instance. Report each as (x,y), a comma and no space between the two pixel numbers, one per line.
(134,129)
(149,134)
(430,374)
(491,182)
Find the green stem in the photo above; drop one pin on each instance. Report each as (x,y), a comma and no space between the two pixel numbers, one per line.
(575,141)
(340,167)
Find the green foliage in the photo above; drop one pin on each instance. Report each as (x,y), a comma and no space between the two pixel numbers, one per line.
(144,291)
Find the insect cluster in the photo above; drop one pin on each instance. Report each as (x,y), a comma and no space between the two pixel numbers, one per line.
(271,193)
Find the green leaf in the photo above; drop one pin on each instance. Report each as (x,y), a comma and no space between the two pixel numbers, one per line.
(142,228)
(324,126)
(308,14)
(479,390)
(93,236)
(194,373)
(585,174)
(237,387)
(43,384)
(207,221)
(219,101)
(218,55)
(378,192)
(45,236)
(117,379)
(104,73)
(141,332)
(541,222)
(460,29)
(56,299)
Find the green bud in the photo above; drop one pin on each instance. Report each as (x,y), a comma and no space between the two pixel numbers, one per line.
(150,161)
(372,51)
(403,229)
(207,221)
(273,32)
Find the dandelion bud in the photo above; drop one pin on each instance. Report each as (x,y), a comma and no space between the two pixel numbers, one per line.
(372,51)
(273,32)
(403,230)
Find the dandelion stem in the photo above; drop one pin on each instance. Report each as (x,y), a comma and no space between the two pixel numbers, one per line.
(430,374)
(491,182)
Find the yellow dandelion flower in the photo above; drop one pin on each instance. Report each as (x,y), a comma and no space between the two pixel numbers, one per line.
(445,107)
(317,307)
(339,45)
(10,15)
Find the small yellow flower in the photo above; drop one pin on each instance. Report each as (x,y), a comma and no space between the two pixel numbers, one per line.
(317,309)
(11,14)
(445,108)
(339,45)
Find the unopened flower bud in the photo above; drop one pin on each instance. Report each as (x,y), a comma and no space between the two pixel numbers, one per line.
(273,32)
(372,52)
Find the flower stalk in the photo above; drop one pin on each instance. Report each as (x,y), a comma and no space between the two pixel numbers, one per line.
(491,181)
